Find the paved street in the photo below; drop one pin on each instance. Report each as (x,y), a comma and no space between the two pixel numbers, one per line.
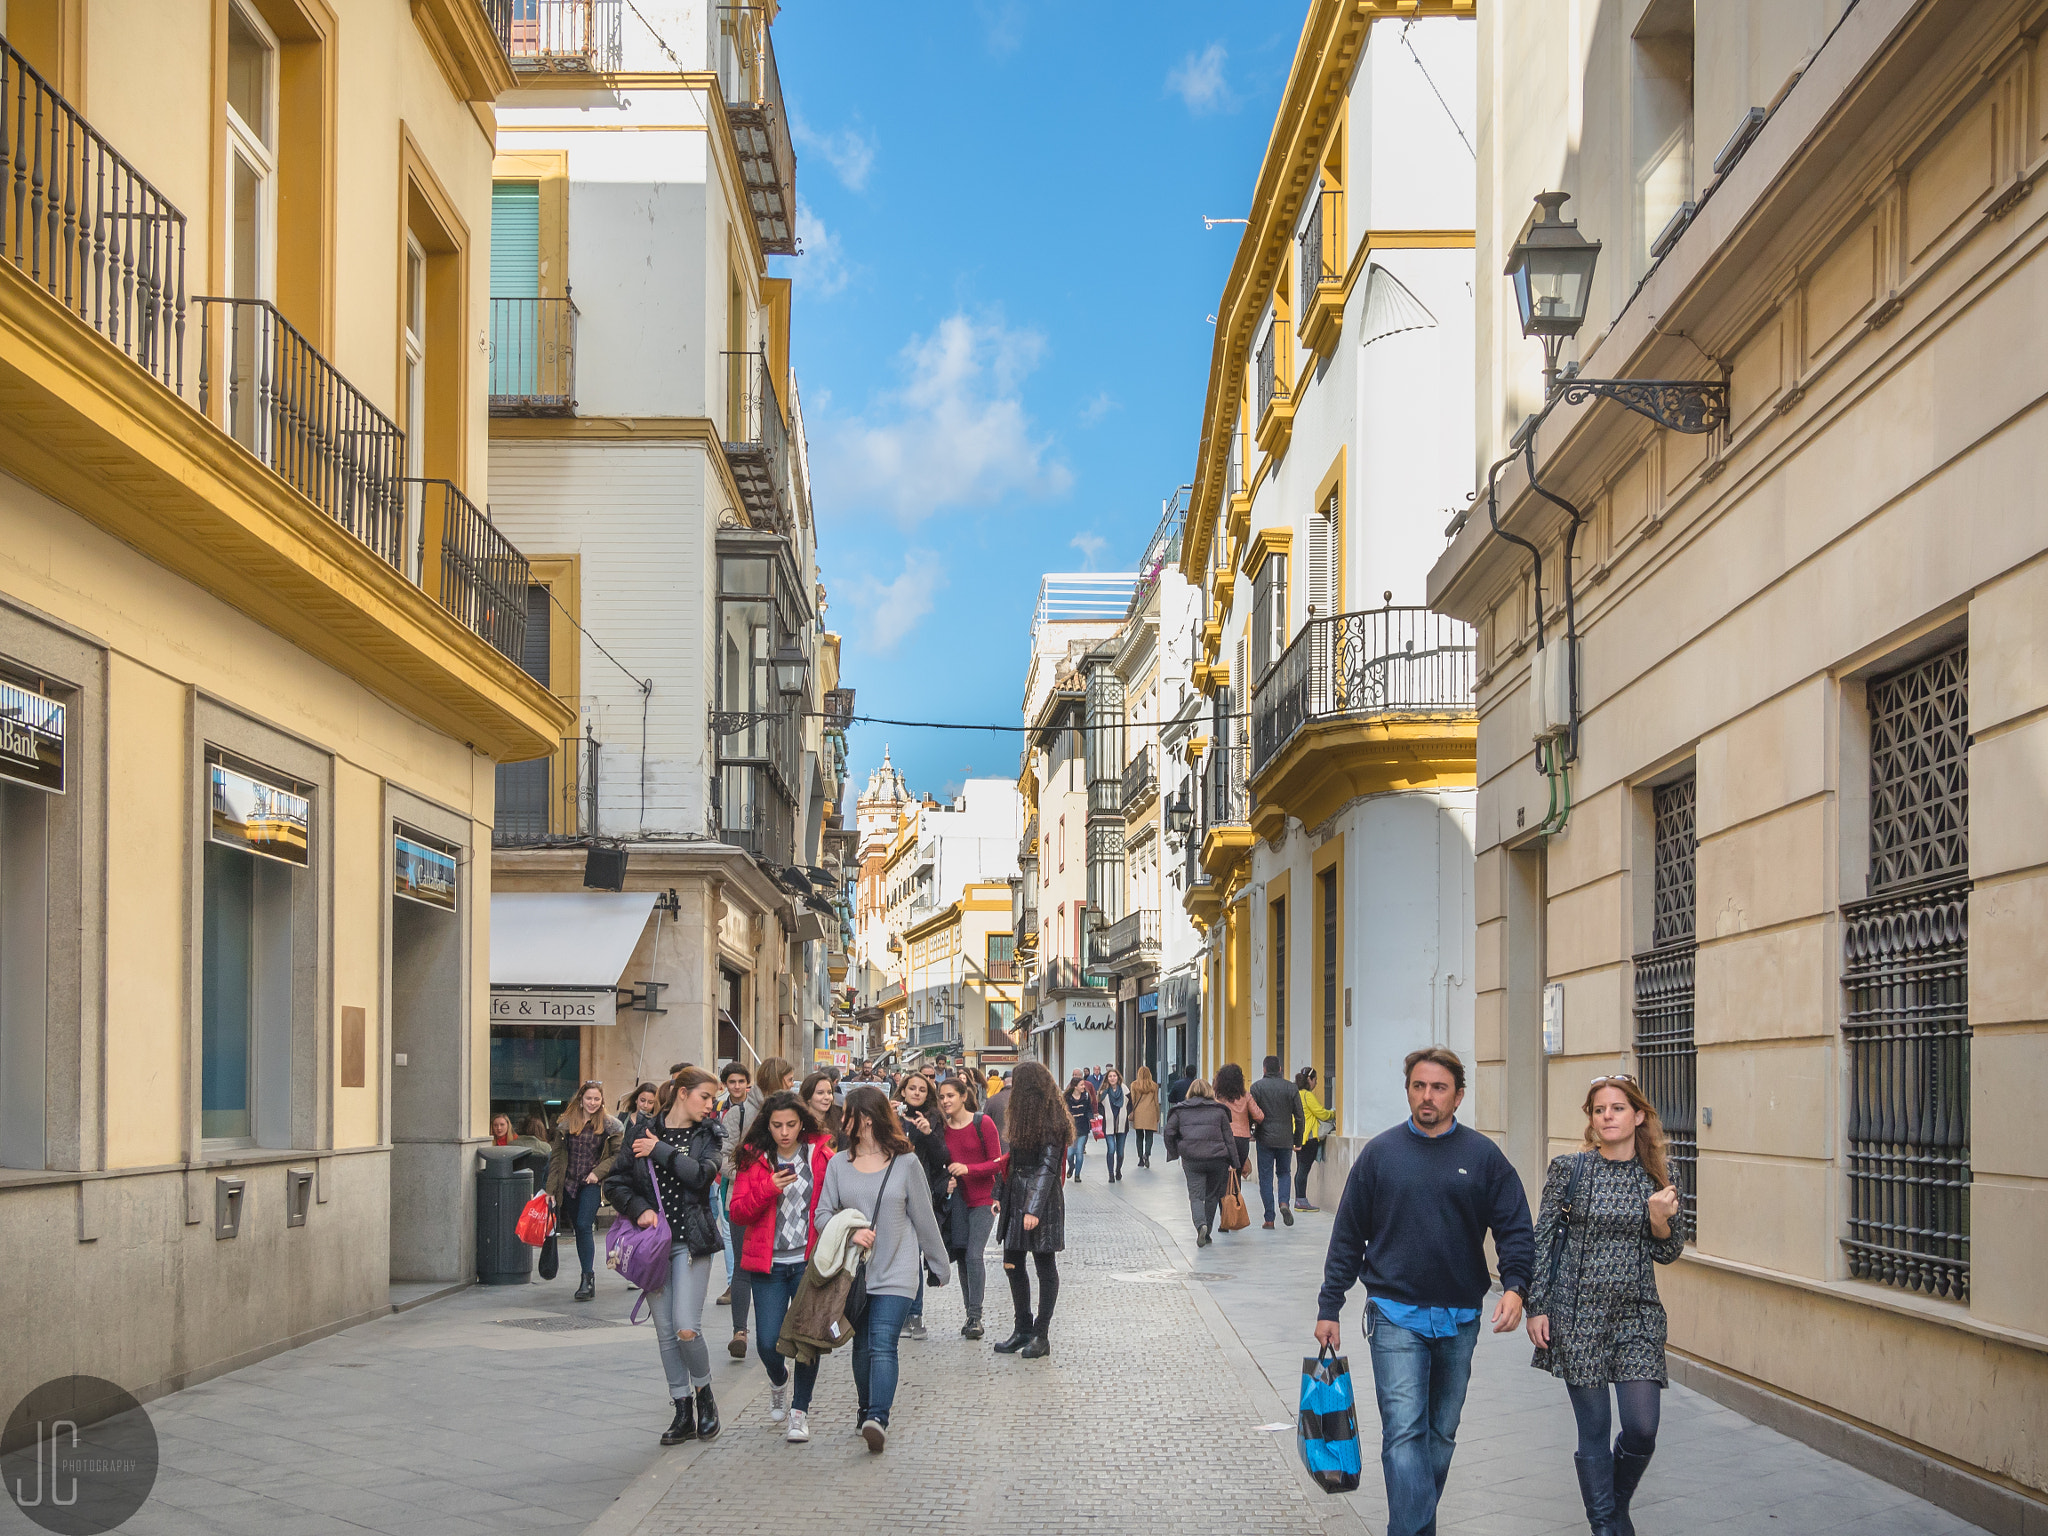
(508,1410)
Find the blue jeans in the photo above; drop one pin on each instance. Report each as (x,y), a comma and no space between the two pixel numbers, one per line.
(1271,1160)
(1077,1153)
(1113,1149)
(773,1292)
(579,1209)
(874,1355)
(1420,1384)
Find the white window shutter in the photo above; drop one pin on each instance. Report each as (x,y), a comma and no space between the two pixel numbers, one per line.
(1320,576)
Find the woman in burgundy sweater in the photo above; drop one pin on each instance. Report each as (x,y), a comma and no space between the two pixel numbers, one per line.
(976,1149)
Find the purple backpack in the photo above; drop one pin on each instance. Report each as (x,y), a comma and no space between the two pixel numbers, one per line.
(640,1254)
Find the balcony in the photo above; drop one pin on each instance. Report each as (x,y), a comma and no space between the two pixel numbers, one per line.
(757,440)
(1275,399)
(838,709)
(1064,974)
(760,127)
(1141,779)
(1227,814)
(1322,273)
(1001,970)
(548,798)
(1131,943)
(1359,704)
(578,36)
(483,579)
(533,357)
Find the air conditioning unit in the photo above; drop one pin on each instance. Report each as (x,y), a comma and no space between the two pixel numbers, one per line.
(1550,688)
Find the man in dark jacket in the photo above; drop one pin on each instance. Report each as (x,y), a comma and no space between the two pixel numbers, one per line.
(1177,1085)
(1412,1225)
(1278,1135)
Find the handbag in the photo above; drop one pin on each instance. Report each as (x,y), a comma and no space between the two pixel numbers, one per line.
(1327,1432)
(536,1221)
(640,1254)
(857,1294)
(1569,1218)
(549,1264)
(1233,1214)
(1097,1127)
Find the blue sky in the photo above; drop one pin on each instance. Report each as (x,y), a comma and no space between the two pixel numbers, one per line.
(1001,316)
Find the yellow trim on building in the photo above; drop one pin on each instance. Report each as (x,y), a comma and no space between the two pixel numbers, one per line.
(1268,543)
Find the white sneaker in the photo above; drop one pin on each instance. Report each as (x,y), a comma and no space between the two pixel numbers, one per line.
(778,1403)
(799,1429)
(876,1433)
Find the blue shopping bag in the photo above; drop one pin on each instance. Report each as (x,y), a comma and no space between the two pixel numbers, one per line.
(1328,1428)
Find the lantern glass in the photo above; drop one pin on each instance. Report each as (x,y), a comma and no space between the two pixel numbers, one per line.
(1551,267)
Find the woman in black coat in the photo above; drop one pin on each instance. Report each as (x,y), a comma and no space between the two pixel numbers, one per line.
(917,1112)
(1034,1219)
(1198,1133)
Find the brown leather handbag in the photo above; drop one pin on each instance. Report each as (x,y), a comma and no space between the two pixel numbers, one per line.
(1232,1214)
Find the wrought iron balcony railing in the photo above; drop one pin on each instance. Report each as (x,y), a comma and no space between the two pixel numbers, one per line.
(533,357)
(1318,264)
(484,579)
(1379,661)
(757,439)
(86,227)
(1228,781)
(838,709)
(1196,875)
(1066,974)
(745,57)
(1134,937)
(1141,777)
(264,384)
(1271,385)
(575,35)
(549,798)
(1001,970)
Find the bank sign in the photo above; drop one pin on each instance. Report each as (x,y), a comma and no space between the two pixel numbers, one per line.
(556,1005)
(31,738)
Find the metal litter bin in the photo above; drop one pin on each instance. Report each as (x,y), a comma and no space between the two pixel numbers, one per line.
(503,1186)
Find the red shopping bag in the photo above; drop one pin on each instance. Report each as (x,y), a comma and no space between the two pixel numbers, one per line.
(535,1222)
(1098,1128)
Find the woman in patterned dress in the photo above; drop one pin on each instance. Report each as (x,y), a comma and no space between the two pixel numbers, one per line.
(1594,1315)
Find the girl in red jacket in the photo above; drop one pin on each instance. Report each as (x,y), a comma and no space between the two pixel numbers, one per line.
(778,1171)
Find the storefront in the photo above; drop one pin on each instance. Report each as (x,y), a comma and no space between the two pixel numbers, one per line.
(32,727)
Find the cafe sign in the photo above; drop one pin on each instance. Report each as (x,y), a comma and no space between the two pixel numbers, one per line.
(554,1005)
(31,738)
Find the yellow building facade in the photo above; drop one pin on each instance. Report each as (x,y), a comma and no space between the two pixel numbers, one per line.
(960,979)
(256,641)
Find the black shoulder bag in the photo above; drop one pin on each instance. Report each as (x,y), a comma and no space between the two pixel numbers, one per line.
(857,1293)
(1569,1219)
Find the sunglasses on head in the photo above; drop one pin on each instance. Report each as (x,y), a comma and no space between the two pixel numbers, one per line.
(1612,1077)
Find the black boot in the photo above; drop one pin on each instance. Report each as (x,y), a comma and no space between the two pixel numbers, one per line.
(1016,1340)
(1037,1349)
(1596,1487)
(707,1415)
(972,1330)
(1628,1474)
(685,1425)
(588,1288)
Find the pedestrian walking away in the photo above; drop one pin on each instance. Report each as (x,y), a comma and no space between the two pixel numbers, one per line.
(1281,1121)
(880,1175)
(1198,1134)
(1609,1217)
(974,1148)
(1412,1224)
(817,1092)
(917,1112)
(1245,1113)
(1316,1125)
(1177,1084)
(673,1172)
(1145,1113)
(997,1105)
(780,1175)
(581,1154)
(1034,1217)
(1113,1103)
(1080,1102)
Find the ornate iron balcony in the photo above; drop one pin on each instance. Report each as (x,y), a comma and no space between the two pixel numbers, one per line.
(760,125)
(1375,662)
(575,35)
(1228,783)
(1141,777)
(1131,939)
(1318,260)
(533,357)
(757,440)
(483,578)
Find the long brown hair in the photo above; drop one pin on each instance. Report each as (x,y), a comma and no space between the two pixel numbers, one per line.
(1650,1145)
(575,1119)
(773,1074)
(682,1083)
(1038,1116)
(869,1103)
(1143,1078)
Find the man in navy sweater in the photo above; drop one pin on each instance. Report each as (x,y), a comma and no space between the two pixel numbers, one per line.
(1412,1225)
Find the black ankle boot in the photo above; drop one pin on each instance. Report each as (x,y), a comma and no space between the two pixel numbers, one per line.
(588,1288)
(685,1425)
(1628,1475)
(972,1329)
(1596,1487)
(707,1415)
(1037,1349)
(1015,1341)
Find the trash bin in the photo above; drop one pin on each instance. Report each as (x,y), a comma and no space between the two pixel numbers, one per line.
(503,1187)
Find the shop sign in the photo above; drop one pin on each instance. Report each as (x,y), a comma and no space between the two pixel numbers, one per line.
(31,738)
(260,817)
(1148,1002)
(824,1058)
(1082,1015)
(563,1005)
(423,872)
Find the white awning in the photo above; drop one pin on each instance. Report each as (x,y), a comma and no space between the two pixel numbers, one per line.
(565,939)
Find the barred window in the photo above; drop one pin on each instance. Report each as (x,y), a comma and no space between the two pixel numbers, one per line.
(1905,976)
(1666,1056)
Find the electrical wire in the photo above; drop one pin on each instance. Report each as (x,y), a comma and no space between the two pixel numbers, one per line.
(644,684)
(1455,124)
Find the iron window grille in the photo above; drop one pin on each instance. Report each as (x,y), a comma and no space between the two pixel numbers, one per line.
(1667,1055)
(1905,976)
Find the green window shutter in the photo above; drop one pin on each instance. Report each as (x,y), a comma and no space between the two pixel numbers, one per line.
(515,240)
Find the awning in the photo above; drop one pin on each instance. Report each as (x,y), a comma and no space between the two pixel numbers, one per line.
(1039,1029)
(550,949)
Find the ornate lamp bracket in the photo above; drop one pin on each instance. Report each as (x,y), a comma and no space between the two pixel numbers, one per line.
(727,722)
(1684,405)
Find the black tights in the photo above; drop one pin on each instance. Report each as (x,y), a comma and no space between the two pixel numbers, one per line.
(1145,1146)
(1640,1404)
(1020,1287)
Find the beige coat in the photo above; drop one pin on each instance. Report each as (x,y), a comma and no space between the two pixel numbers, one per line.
(1145,1106)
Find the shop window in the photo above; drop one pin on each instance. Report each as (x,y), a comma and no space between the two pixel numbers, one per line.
(24,952)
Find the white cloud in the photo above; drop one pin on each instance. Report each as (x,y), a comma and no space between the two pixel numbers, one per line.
(1091,546)
(1198,80)
(1102,405)
(1002,24)
(822,270)
(849,152)
(891,609)
(956,434)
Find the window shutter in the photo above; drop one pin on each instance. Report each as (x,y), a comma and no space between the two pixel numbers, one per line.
(515,240)
(1321,574)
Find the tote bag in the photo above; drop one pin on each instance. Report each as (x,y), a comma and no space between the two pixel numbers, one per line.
(1233,1214)
(1327,1432)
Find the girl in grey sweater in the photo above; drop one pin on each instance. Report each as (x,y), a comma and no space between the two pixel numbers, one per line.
(879,1176)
